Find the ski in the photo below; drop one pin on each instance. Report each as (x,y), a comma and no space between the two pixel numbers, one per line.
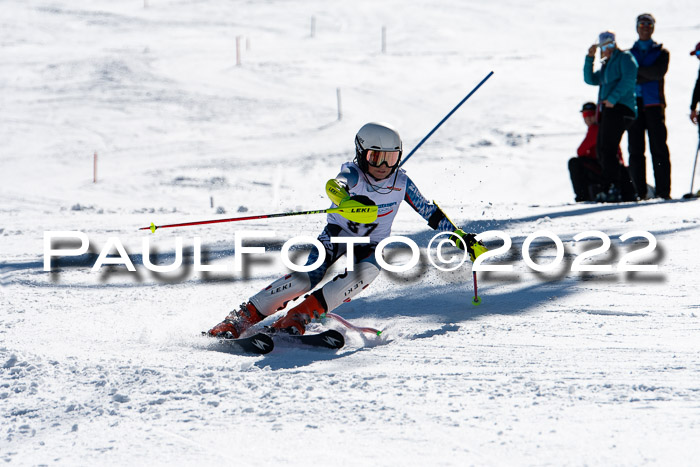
(262,343)
(330,339)
(259,343)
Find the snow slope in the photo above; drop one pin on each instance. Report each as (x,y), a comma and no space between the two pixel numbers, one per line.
(553,368)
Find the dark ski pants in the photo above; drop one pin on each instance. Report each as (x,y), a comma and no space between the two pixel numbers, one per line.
(585,178)
(652,120)
(613,124)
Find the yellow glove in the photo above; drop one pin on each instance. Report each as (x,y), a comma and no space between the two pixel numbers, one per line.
(337,191)
(463,240)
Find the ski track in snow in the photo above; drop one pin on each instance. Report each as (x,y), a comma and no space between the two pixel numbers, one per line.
(554,368)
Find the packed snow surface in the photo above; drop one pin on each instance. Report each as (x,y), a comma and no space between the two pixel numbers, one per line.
(553,368)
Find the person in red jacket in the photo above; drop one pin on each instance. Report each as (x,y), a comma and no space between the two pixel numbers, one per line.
(585,169)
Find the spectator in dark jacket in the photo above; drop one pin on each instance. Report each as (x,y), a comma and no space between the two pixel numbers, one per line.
(696,92)
(616,78)
(653,64)
(585,170)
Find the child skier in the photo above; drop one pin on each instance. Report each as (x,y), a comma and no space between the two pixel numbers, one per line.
(372,178)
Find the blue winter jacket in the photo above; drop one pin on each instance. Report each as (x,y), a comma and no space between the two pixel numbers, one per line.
(617,79)
(653,65)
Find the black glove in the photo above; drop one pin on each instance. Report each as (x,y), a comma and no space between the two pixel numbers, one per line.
(362,199)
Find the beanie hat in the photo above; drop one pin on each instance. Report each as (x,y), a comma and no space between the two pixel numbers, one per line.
(605,37)
(646,17)
(588,106)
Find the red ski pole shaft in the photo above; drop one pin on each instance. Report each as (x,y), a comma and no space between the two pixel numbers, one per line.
(351,210)
(476,300)
(153,227)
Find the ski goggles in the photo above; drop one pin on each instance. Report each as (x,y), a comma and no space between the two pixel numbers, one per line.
(696,53)
(377,158)
(609,45)
(588,113)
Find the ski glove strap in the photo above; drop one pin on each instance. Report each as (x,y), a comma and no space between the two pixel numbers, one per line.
(337,191)
(464,240)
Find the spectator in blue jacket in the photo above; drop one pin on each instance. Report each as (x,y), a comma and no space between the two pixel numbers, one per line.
(653,64)
(616,96)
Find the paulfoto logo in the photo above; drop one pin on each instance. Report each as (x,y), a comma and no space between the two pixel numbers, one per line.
(115,245)
(489,261)
(627,262)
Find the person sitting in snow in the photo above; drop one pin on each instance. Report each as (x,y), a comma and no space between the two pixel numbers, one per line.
(372,178)
(585,170)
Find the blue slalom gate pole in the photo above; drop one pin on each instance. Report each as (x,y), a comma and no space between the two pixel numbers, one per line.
(444,119)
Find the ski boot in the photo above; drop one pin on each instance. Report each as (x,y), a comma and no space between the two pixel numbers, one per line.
(297,318)
(237,322)
(613,195)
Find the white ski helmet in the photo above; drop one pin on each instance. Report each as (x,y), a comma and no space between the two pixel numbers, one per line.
(377,137)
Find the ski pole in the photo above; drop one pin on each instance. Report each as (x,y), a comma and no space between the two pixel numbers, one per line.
(352,210)
(476,300)
(445,119)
